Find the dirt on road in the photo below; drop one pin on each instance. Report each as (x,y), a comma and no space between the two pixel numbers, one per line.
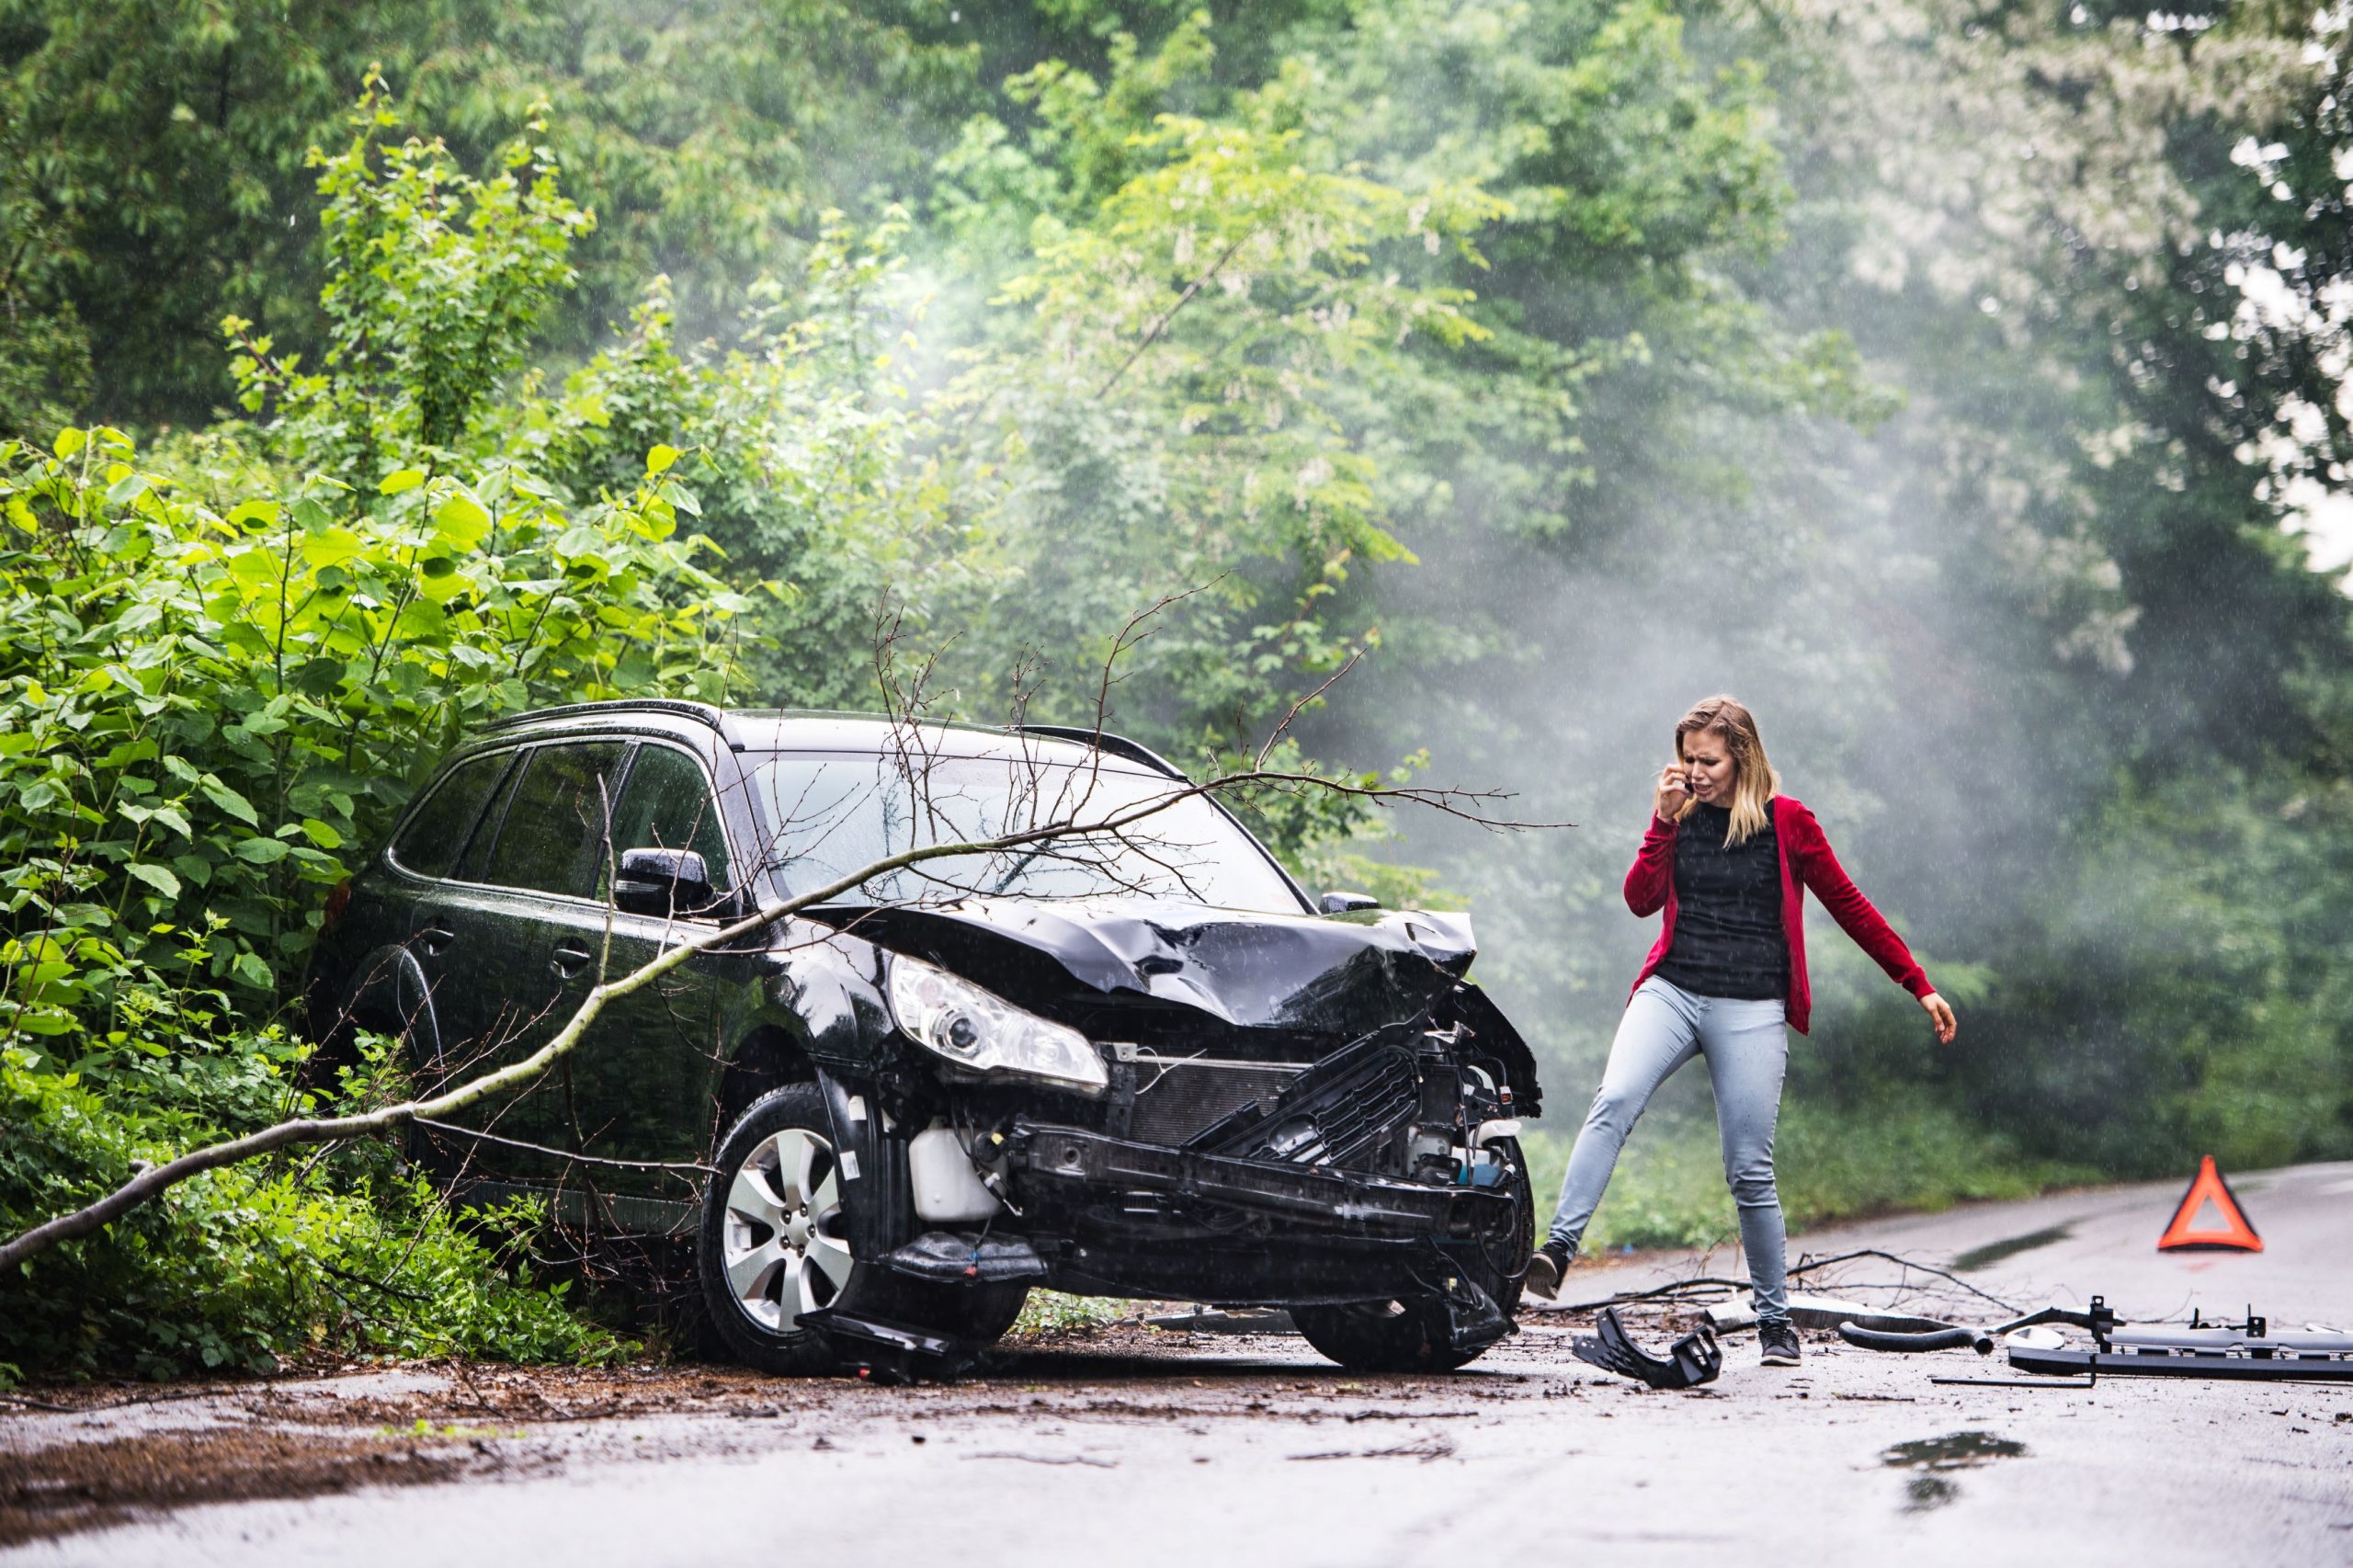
(86,1457)
(1175,1448)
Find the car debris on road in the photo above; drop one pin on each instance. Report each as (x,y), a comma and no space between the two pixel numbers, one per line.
(1693,1359)
(2249,1350)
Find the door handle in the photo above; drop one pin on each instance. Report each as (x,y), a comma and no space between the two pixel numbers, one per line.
(568,959)
(432,939)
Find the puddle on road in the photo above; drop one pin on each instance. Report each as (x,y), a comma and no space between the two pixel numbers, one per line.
(1995,1251)
(1956,1450)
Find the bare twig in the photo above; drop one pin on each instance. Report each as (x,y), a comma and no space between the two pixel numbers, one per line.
(564,1155)
(1151,333)
(1808,1265)
(1705,1281)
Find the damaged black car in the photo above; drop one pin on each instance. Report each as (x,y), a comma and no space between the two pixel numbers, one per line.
(1141,1063)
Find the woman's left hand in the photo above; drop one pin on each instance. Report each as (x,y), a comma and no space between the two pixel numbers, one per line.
(1939,1012)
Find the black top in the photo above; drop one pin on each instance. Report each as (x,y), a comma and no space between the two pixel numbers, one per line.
(1728,936)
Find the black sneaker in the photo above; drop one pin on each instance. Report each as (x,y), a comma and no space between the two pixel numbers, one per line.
(1545,1269)
(1781,1343)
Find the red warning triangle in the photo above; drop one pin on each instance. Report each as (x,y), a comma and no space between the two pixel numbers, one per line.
(2233,1232)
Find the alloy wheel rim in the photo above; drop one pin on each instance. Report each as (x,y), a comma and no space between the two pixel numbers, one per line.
(782,1248)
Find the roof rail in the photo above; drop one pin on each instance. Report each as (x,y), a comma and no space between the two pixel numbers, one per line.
(702,712)
(1108,743)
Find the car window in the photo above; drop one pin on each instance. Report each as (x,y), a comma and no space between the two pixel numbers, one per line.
(666,805)
(827,815)
(476,855)
(557,814)
(436,833)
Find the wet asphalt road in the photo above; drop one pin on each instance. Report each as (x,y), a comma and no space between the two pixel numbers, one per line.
(1147,1450)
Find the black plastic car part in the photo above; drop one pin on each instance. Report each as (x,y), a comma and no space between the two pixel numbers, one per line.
(1914,1343)
(1694,1359)
(1340,1112)
(1473,1318)
(2252,1367)
(890,1352)
(955,1257)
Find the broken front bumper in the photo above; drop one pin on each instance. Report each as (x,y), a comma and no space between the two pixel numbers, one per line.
(1050,1163)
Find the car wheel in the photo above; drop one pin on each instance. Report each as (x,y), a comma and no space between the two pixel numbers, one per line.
(1409,1334)
(774,1244)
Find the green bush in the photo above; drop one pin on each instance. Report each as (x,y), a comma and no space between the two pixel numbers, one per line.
(240,1267)
(224,666)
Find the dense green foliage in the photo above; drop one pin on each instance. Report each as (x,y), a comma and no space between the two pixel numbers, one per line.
(222,673)
(237,1268)
(1950,384)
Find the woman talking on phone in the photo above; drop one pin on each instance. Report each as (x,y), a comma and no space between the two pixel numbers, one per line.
(1729,859)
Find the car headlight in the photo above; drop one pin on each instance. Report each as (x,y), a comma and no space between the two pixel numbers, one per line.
(982,1033)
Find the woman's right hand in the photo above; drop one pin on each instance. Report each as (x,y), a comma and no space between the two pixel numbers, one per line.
(1673,789)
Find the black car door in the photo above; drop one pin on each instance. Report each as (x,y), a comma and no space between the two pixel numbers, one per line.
(432,845)
(510,963)
(640,1080)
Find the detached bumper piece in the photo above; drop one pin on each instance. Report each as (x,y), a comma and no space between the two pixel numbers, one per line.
(1693,1360)
(886,1352)
(1349,1201)
(2245,1352)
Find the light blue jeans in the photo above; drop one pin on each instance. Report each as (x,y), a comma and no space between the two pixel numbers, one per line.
(1747,1048)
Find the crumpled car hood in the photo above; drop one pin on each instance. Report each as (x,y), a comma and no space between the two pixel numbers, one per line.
(1330,976)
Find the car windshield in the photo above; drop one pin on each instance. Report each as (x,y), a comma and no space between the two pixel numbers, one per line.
(827,814)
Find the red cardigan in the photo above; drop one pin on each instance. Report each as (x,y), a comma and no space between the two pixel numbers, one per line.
(1806,862)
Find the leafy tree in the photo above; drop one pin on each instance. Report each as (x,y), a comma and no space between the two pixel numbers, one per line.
(160,147)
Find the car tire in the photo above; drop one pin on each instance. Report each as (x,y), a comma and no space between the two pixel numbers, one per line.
(1409,1334)
(774,1244)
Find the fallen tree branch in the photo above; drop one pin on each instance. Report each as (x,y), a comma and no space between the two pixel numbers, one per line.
(1808,1265)
(564,1155)
(1625,1298)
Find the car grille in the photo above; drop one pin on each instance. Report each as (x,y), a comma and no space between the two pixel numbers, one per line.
(1177,1098)
(1347,1118)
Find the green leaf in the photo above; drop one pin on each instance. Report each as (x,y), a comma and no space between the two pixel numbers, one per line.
(228,800)
(322,834)
(659,459)
(462,520)
(440,580)
(249,968)
(70,441)
(400,479)
(331,547)
(155,877)
(260,851)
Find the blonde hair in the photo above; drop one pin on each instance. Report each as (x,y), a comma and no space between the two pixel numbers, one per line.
(1754,782)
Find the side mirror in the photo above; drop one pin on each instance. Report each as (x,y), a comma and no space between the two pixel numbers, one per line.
(662,882)
(1347,903)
